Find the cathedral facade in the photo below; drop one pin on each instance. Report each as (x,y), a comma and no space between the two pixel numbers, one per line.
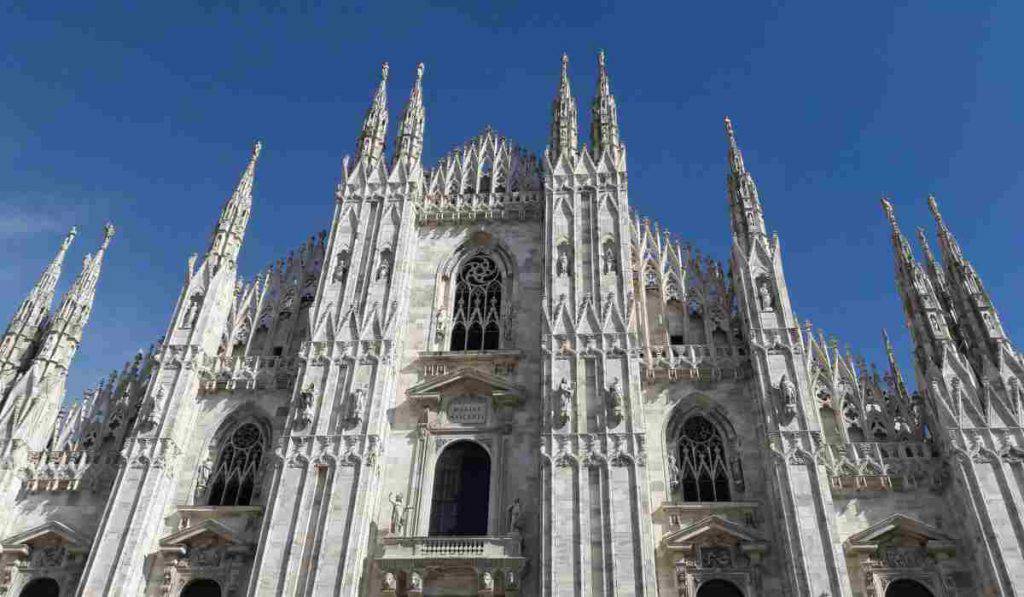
(490,377)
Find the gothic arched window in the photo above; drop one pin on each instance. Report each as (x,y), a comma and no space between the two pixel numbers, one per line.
(476,320)
(235,476)
(703,469)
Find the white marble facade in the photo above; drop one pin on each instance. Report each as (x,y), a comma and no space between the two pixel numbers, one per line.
(491,377)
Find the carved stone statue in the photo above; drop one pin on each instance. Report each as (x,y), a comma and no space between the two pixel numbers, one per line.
(341,267)
(487,581)
(358,405)
(610,262)
(765,295)
(384,268)
(389,582)
(615,401)
(787,392)
(673,470)
(415,581)
(399,512)
(562,265)
(304,407)
(192,311)
(564,402)
(515,511)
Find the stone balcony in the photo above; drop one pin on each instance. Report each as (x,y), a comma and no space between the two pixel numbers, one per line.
(483,565)
(698,361)
(68,470)
(881,466)
(248,373)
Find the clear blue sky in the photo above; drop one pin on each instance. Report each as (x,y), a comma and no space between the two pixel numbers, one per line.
(145,117)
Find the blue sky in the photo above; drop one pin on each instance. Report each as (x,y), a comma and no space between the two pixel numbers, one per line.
(145,116)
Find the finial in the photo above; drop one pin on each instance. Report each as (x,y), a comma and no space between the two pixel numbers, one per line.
(257,147)
(885,339)
(72,233)
(889,213)
(384,68)
(600,59)
(728,131)
(934,207)
(419,72)
(108,233)
(565,63)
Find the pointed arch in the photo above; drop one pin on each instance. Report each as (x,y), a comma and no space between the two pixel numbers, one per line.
(233,471)
(475,295)
(702,455)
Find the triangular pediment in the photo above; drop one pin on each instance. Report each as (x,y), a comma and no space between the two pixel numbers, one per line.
(434,388)
(204,531)
(898,528)
(50,533)
(714,530)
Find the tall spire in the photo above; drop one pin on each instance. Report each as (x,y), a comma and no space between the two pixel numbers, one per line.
(64,330)
(234,217)
(747,217)
(926,318)
(370,145)
(980,325)
(894,369)
(563,117)
(604,119)
(410,131)
(17,343)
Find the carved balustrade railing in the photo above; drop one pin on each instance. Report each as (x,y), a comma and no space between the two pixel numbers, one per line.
(67,470)
(224,373)
(701,361)
(496,550)
(882,465)
(517,205)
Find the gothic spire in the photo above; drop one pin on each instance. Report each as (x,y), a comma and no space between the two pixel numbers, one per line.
(604,119)
(17,342)
(64,330)
(375,126)
(925,316)
(894,369)
(969,300)
(563,117)
(410,132)
(234,217)
(747,217)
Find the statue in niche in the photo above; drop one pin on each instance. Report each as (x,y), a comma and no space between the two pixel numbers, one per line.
(439,326)
(192,311)
(384,267)
(564,402)
(990,323)
(341,264)
(304,407)
(415,581)
(562,264)
(399,513)
(787,392)
(389,582)
(610,262)
(765,295)
(358,406)
(487,581)
(673,470)
(615,401)
(515,512)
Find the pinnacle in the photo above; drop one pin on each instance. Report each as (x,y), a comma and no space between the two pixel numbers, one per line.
(890,214)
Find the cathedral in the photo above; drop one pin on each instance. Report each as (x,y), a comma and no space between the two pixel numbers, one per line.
(489,376)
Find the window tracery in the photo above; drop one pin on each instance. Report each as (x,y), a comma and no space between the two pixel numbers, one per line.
(699,467)
(234,479)
(476,317)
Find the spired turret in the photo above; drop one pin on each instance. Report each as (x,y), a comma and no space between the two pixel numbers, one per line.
(604,117)
(370,145)
(23,332)
(564,118)
(410,131)
(744,203)
(234,217)
(31,408)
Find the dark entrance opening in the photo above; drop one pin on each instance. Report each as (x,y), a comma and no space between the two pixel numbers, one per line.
(201,588)
(907,588)
(462,479)
(41,587)
(719,588)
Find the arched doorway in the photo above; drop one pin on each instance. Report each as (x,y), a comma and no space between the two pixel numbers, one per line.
(203,587)
(41,587)
(462,482)
(719,588)
(905,587)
